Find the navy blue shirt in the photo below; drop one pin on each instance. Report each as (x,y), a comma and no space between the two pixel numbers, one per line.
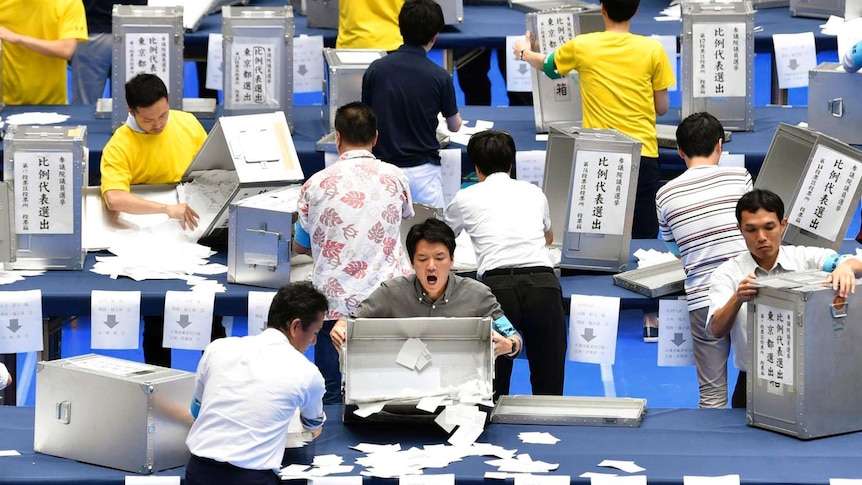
(406,91)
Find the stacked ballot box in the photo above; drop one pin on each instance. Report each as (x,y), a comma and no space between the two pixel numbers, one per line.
(823,9)
(114,413)
(258,60)
(718,61)
(559,100)
(46,167)
(834,104)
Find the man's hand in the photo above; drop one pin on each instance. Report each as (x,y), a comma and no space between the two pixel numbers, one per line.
(843,279)
(522,45)
(746,289)
(7,35)
(187,216)
(502,345)
(338,334)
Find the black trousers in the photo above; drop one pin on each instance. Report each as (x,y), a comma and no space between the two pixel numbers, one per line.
(740,392)
(154,330)
(533,301)
(645,224)
(473,79)
(326,360)
(203,471)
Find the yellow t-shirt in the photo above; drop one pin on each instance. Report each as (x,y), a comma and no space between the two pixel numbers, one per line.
(29,77)
(618,74)
(369,24)
(132,158)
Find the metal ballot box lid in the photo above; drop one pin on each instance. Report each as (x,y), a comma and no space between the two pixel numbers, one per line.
(717,42)
(834,105)
(654,281)
(260,232)
(817,177)
(322,14)
(805,368)
(460,350)
(823,9)
(761,4)
(570,411)
(112,412)
(258,52)
(46,166)
(559,100)
(453,11)
(146,40)
(595,172)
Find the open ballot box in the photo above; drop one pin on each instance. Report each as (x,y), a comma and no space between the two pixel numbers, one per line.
(834,105)
(113,412)
(621,412)
(817,177)
(805,368)
(717,63)
(596,173)
(45,166)
(402,360)
(559,100)
(194,11)
(260,230)
(258,69)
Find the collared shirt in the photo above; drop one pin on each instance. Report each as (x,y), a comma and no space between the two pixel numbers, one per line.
(507,220)
(249,389)
(352,212)
(726,278)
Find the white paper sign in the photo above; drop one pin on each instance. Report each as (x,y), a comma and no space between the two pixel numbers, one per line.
(555,29)
(530,166)
(255,65)
(795,55)
(258,310)
(44,200)
(215,60)
(599,198)
(148,53)
(20,321)
(732,160)
(775,352)
(669,44)
(450,164)
(674,336)
(719,59)
(115,318)
(188,319)
(308,64)
(826,193)
(518,76)
(593,329)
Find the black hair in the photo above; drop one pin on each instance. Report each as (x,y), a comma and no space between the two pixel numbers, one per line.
(145,90)
(419,21)
(296,300)
(491,151)
(431,230)
(356,123)
(760,199)
(620,10)
(698,134)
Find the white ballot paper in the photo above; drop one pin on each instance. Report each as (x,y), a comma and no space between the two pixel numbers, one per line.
(9,453)
(538,437)
(258,310)
(843,481)
(20,321)
(414,354)
(115,318)
(444,479)
(720,480)
(188,319)
(626,466)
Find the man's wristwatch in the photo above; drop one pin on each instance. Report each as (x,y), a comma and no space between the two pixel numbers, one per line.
(514,347)
(522,54)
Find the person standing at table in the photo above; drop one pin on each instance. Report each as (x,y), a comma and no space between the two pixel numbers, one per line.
(350,222)
(696,220)
(155,146)
(510,224)
(38,37)
(407,91)
(369,24)
(624,81)
(247,390)
(760,215)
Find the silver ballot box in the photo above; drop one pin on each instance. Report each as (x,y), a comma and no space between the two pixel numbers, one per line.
(834,105)
(46,166)
(453,11)
(817,177)
(146,40)
(805,368)
(113,412)
(559,100)
(322,14)
(459,352)
(718,61)
(823,9)
(761,4)
(654,281)
(259,238)
(595,172)
(258,68)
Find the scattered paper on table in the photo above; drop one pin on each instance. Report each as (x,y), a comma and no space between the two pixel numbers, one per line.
(720,480)
(538,437)
(372,448)
(465,435)
(367,409)
(9,453)
(327,460)
(430,404)
(596,474)
(626,466)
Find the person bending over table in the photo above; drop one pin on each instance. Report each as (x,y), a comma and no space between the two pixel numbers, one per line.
(155,146)
(247,389)
(760,215)
(433,291)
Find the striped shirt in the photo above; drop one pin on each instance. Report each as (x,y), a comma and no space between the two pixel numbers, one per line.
(697,211)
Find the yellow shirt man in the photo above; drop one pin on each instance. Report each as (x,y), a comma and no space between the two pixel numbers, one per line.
(369,24)
(38,37)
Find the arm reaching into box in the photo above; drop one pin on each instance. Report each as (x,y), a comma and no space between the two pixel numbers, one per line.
(122,201)
(843,277)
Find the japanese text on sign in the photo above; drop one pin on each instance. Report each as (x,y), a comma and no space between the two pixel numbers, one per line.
(600,192)
(254,65)
(593,328)
(555,29)
(674,344)
(719,62)
(775,351)
(148,53)
(44,202)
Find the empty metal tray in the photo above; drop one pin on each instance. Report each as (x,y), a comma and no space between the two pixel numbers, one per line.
(570,411)
(654,281)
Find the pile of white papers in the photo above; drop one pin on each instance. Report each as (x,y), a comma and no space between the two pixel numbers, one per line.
(38,118)
(651,257)
(472,391)
(389,461)
(522,463)
(11,276)
(462,136)
(414,354)
(538,438)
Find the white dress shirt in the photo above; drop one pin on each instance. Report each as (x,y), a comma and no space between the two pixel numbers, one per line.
(4,376)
